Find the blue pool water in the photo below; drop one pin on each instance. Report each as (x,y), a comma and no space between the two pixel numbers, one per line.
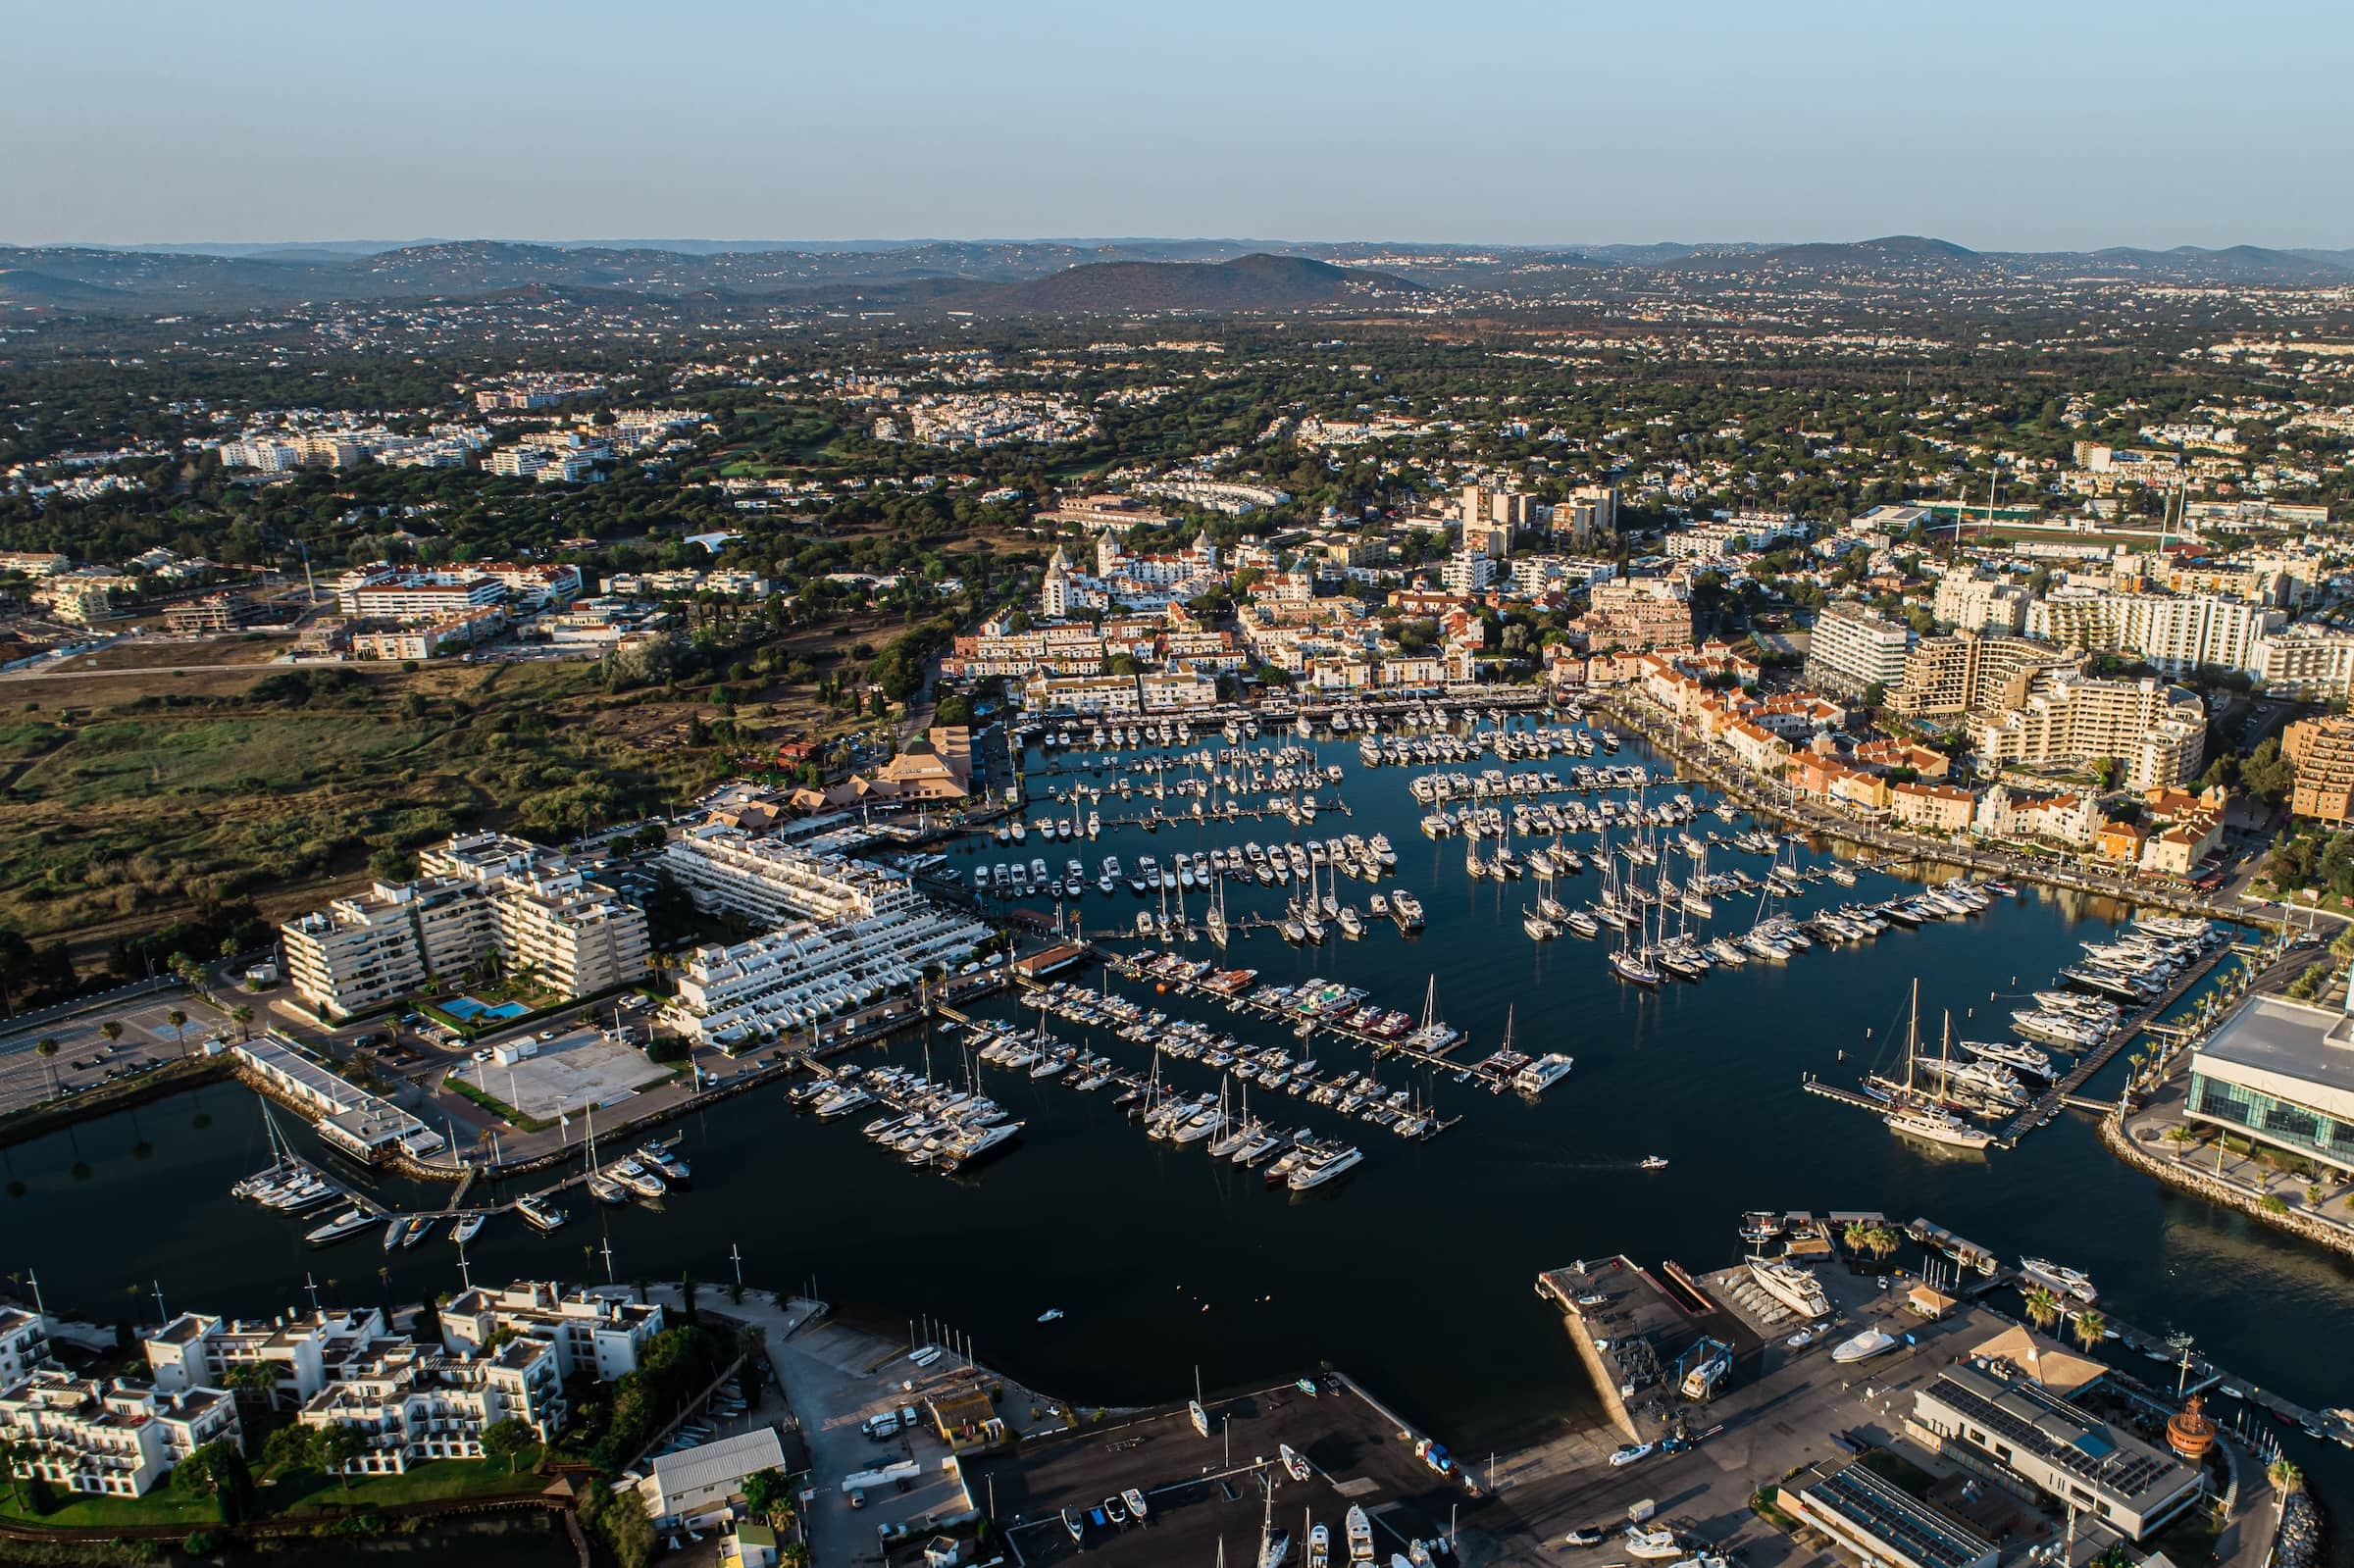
(466,1008)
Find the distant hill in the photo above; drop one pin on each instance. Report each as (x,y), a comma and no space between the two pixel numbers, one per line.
(1253,283)
(1895,253)
(2236,264)
(21,285)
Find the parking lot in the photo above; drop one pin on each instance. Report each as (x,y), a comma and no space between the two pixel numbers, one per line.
(86,1058)
(574,1069)
(1200,1491)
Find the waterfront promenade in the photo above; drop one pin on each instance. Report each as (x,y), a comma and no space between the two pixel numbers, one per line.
(1759,798)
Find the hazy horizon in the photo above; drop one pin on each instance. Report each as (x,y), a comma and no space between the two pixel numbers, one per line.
(2008,128)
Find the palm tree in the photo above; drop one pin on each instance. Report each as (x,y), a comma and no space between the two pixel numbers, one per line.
(112,1029)
(46,1045)
(178,1020)
(243,1016)
(2286,1477)
(1857,1235)
(2182,1137)
(2043,1307)
(2090,1327)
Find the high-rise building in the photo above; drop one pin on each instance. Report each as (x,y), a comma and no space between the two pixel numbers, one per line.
(2176,634)
(2306,661)
(1966,670)
(1981,601)
(2321,752)
(1469,572)
(2158,732)
(1854,648)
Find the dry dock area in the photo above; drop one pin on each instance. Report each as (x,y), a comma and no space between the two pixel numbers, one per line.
(1203,1491)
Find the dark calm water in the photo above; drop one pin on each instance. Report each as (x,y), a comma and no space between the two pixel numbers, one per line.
(1416,1273)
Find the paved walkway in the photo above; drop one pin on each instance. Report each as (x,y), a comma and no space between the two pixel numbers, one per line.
(2149,1127)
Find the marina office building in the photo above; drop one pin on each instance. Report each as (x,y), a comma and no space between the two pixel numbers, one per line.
(847,933)
(2281,1072)
(1995,1422)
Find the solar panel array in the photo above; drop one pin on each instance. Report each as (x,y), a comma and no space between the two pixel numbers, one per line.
(2126,1473)
(1886,1513)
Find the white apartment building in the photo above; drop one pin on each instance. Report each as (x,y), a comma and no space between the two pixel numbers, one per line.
(603,1337)
(23,1342)
(117,1438)
(847,933)
(1854,648)
(1981,601)
(1467,571)
(2176,634)
(376,948)
(1176,691)
(481,893)
(2157,731)
(2306,661)
(384,592)
(410,1402)
(197,1349)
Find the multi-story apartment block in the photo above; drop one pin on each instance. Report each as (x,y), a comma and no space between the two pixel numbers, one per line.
(2178,634)
(847,935)
(1981,601)
(2157,731)
(410,1402)
(1853,649)
(481,893)
(1590,513)
(210,615)
(376,948)
(1638,613)
(23,1342)
(1467,571)
(1966,670)
(2306,661)
(2321,752)
(385,592)
(603,1337)
(114,1439)
(196,1350)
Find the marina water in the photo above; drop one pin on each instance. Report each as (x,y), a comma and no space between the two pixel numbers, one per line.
(1414,1273)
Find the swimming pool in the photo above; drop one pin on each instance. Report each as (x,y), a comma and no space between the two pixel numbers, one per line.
(466,1009)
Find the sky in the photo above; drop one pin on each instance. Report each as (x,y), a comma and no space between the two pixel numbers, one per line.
(1995,125)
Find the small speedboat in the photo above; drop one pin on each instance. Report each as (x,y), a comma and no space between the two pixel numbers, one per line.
(467,1228)
(1051,1315)
(1653,1162)
(1293,1464)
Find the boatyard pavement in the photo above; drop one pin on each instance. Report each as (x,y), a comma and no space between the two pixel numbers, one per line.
(835,1378)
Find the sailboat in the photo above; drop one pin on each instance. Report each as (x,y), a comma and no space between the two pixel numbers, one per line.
(1915,1115)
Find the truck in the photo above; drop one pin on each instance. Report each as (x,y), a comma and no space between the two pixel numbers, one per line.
(886,1476)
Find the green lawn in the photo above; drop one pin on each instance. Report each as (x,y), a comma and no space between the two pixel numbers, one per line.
(303,1491)
(161,1506)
